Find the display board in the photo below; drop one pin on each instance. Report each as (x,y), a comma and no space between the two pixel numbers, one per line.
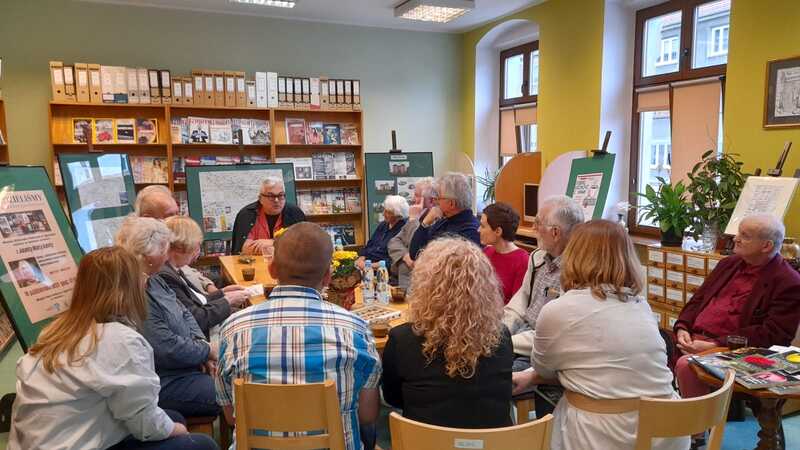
(39,253)
(762,195)
(589,180)
(392,174)
(217,193)
(100,194)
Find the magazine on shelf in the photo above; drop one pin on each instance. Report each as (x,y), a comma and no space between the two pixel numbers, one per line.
(349,134)
(126,131)
(147,131)
(331,134)
(259,132)
(296,131)
(220,131)
(103,131)
(314,133)
(756,368)
(198,130)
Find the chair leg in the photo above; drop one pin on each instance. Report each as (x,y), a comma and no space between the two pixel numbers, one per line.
(204,428)
(225,433)
(524,408)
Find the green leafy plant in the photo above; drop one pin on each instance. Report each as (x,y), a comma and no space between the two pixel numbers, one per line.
(668,206)
(488,181)
(715,185)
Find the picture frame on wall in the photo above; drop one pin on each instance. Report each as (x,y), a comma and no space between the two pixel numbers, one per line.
(782,100)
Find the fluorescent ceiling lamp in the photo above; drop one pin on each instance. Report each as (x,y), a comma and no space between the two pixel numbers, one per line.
(441,11)
(278,3)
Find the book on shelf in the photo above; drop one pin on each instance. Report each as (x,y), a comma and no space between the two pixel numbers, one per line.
(103,131)
(314,133)
(149,169)
(255,159)
(345,232)
(147,131)
(208,160)
(214,247)
(323,166)
(183,202)
(756,368)
(329,201)
(352,200)
(220,131)
(125,131)
(260,133)
(81,130)
(303,167)
(296,131)
(179,130)
(349,134)
(179,170)
(331,134)
(199,130)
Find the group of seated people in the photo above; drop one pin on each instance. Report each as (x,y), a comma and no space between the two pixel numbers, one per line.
(136,351)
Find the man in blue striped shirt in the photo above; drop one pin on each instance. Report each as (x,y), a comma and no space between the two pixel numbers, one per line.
(295,337)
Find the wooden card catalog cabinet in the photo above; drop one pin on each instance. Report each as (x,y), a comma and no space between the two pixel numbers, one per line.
(671,319)
(712,262)
(655,292)
(655,275)
(696,264)
(655,257)
(693,282)
(674,296)
(675,280)
(674,261)
(660,317)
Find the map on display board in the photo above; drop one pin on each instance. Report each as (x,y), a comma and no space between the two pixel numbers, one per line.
(762,195)
(39,253)
(216,194)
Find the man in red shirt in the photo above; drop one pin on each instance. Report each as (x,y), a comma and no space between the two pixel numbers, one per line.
(754,294)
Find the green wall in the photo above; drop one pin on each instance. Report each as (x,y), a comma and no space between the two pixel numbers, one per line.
(410,80)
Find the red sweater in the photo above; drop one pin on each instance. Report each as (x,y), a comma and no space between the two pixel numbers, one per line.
(510,269)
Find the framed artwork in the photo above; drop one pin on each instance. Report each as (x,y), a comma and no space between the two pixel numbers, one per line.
(782,103)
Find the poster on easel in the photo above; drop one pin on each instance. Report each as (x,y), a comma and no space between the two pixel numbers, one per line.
(763,195)
(38,251)
(100,194)
(589,180)
(393,174)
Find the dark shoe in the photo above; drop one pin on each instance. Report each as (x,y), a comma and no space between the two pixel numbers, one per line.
(698,443)
(736,411)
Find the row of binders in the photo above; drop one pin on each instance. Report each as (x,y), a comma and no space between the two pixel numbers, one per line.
(94,83)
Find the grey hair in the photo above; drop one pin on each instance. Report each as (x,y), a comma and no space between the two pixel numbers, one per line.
(145,197)
(457,187)
(397,205)
(426,184)
(769,228)
(272,181)
(143,236)
(565,212)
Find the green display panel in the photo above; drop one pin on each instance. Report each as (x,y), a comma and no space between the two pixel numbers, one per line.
(100,194)
(393,174)
(217,193)
(38,252)
(589,180)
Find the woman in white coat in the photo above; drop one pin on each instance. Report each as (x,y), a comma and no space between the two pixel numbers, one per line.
(601,342)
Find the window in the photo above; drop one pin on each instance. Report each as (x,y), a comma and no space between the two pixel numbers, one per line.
(519,74)
(676,104)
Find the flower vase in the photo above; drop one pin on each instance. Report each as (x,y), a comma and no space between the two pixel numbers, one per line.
(709,237)
(342,289)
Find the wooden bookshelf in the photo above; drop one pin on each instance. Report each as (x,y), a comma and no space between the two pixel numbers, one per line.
(4,156)
(60,125)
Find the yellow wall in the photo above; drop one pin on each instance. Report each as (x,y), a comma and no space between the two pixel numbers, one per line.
(760,31)
(570,44)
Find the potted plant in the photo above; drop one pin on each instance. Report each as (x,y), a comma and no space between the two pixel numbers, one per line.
(488,181)
(715,185)
(670,208)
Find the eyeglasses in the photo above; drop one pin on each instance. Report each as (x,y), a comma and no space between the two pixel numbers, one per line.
(274,197)
(538,223)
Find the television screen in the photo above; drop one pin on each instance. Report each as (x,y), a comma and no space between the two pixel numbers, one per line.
(530,201)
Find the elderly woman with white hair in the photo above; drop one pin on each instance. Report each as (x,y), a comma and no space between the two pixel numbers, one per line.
(256,224)
(451,215)
(395,215)
(184,359)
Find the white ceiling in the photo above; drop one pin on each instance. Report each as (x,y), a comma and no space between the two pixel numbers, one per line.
(369,13)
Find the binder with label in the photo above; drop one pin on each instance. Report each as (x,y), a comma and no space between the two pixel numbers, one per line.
(69,84)
(340,94)
(155,89)
(323,93)
(166,87)
(281,92)
(177,90)
(230,88)
(306,92)
(120,85)
(57,81)
(241,89)
(315,98)
(272,90)
(250,85)
(133,84)
(219,88)
(356,95)
(144,85)
(107,83)
(208,85)
(199,90)
(82,85)
(261,89)
(95,86)
(188,91)
(348,94)
(298,93)
(332,103)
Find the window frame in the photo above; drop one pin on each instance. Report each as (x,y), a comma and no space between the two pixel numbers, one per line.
(712,52)
(525,50)
(674,48)
(685,72)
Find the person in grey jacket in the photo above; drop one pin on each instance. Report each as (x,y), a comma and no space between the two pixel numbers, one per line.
(398,247)
(183,357)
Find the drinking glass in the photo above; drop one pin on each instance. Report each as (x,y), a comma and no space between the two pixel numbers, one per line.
(736,342)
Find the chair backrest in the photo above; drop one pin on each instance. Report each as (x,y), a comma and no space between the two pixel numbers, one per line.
(408,434)
(291,408)
(671,418)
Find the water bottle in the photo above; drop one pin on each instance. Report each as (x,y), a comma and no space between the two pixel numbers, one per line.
(338,244)
(367,283)
(382,293)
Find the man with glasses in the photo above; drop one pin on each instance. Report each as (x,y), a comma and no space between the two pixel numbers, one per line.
(256,224)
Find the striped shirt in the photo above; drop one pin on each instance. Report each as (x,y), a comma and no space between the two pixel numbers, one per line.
(296,338)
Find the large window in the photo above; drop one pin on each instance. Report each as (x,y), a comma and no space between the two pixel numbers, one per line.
(519,90)
(679,68)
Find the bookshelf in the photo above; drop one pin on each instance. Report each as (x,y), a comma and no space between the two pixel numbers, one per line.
(4,157)
(61,129)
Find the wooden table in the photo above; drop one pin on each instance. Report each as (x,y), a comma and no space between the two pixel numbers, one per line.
(232,270)
(766,406)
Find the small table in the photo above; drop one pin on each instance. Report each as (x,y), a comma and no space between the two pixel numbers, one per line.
(232,271)
(766,406)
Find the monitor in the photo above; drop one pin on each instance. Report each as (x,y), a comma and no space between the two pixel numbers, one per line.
(530,201)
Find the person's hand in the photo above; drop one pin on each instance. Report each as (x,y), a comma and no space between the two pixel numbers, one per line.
(522,381)
(433,215)
(409,262)
(700,345)
(232,288)
(415,210)
(210,288)
(237,298)
(212,353)
(360,262)
(209,368)
(264,243)
(685,341)
(178,430)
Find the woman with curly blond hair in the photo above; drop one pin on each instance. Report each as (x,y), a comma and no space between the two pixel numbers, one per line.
(450,365)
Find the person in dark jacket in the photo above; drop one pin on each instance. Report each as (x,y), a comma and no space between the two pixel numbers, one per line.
(256,224)
(209,310)
(451,364)
(183,357)
(395,216)
(451,215)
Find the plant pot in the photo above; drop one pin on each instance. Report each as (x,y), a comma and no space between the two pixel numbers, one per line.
(671,238)
(709,237)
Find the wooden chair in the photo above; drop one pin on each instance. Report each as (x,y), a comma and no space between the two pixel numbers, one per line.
(288,408)
(660,418)
(201,424)
(408,434)
(524,404)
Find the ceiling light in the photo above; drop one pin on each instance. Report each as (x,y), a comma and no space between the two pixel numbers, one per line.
(442,11)
(278,3)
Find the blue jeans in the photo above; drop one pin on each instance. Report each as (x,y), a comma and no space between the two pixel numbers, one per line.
(191,441)
(192,395)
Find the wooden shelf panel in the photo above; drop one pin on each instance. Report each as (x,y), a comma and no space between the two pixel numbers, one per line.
(317,148)
(73,145)
(319,183)
(204,147)
(108,105)
(332,216)
(217,108)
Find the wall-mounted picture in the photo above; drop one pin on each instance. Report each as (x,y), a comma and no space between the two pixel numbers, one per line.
(782,108)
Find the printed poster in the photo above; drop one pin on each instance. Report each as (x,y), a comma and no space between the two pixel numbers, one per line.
(587,188)
(225,193)
(35,254)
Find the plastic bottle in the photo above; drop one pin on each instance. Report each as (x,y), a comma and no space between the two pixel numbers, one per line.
(338,245)
(382,292)
(368,283)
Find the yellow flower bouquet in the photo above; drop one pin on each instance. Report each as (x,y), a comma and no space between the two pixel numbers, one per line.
(345,277)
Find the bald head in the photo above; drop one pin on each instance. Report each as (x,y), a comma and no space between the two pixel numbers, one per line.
(303,256)
(155,201)
(765,227)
